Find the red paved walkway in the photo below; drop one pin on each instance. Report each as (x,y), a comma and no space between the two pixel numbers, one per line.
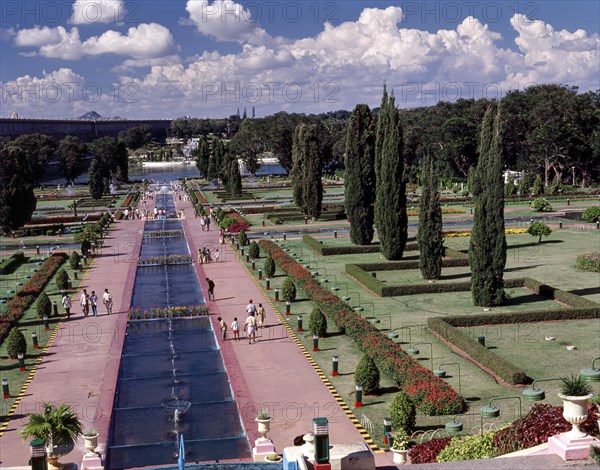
(273,373)
(81,366)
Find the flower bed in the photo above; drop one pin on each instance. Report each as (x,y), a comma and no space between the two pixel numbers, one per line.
(162,260)
(589,262)
(429,393)
(62,220)
(17,306)
(508,231)
(152,234)
(167,312)
(130,201)
(200,197)
(427,452)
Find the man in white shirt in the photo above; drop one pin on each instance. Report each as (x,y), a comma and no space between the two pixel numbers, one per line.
(107,301)
(250,308)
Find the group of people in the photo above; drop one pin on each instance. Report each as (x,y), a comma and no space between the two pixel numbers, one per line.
(255,320)
(205,223)
(205,256)
(87,302)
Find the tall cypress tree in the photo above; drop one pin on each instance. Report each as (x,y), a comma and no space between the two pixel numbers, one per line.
(487,248)
(297,172)
(202,155)
(235,178)
(360,175)
(390,202)
(96,179)
(429,237)
(312,184)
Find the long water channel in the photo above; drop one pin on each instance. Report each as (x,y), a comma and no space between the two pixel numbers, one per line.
(172,380)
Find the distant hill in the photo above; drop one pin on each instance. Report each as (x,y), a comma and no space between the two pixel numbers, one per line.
(91,116)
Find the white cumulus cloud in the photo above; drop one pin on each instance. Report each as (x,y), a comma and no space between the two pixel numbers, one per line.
(225,20)
(140,42)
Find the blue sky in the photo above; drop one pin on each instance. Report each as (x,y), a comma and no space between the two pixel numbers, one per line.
(206,58)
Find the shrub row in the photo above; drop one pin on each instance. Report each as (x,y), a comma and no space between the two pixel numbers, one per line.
(553,293)
(17,306)
(11,263)
(498,365)
(63,219)
(589,262)
(430,394)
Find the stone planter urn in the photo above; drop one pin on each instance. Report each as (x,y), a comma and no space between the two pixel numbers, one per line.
(264,426)
(56,452)
(575,412)
(273,458)
(400,456)
(91,442)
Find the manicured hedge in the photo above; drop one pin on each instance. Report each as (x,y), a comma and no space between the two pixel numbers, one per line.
(17,306)
(430,394)
(324,250)
(557,294)
(11,263)
(499,366)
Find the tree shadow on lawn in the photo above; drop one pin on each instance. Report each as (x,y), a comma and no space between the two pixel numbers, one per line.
(527,245)
(385,391)
(587,291)
(454,276)
(524,299)
(521,268)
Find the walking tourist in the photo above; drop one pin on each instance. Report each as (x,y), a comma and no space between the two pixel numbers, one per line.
(217,255)
(107,301)
(260,316)
(207,222)
(200,256)
(202,223)
(94,303)
(66,303)
(211,289)
(223,328)
(251,328)
(235,327)
(84,301)
(251,308)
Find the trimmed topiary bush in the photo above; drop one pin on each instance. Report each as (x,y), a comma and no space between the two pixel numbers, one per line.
(367,375)
(74,260)
(317,323)
(86,246)
(62,279)
(43,306)
(288,290)
(15,343)
(242,238)
(403,413)
(539,229)
(269,267)
(254,250)
(541,204)
(591,214)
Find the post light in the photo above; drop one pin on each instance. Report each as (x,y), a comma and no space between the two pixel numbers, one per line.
(37,451)
(276,294)
(335,234)
(305,220)
(560,224)
(299,323)
(415,351)
(55,308)
(35,340)
(315,343)
(321,433)
(259,273)
(5,390)
(453,427)
(242,251)
(284,236)
(75,275)
(493,411)
(288,305)
(334,366)
(387,429)
(46,323)
(591,375)
(268,284)
(443,375)
(21,358)
(358,397)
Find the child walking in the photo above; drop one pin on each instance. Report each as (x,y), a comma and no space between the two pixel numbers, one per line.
(235,327)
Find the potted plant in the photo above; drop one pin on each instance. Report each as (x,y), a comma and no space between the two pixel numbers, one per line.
(273,458)
(575,392)
(264,423)
(400,447)
(90,436)
(58,425)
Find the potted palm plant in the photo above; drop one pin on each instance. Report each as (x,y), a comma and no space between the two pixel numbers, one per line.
(90,436)
(400,447)
(264,423)
(575,393)
(59,426)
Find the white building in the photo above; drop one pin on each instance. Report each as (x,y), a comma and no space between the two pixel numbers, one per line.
(515,176)
(266,166)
